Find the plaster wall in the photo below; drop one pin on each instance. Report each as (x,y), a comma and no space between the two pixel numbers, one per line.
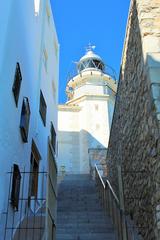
(68,141)
(81,130)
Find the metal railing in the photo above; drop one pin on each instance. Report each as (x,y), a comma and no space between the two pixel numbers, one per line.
(35,216)
(125,230)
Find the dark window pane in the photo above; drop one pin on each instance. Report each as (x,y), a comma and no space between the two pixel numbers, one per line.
(17,83)
(98,64)
(25,118)
(43,108)
(34,172)
(34,176)
(53,137)
(16,180)
(90,64)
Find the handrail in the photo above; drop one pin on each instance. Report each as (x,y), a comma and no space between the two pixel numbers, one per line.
(107,181)
(115,196)
(112,208)
(100,176)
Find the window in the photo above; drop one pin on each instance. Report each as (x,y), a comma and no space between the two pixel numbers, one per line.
(16,180)
(53,137)
(34,176)
(97,126)
(25,117)
(54,90)
(48,13)
(43,108)
(96,107)
(17,83)
(34,171)
(56,48)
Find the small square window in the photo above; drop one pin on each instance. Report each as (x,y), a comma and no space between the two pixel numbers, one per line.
(96,107)
(17,83)
(16,180)
(25,118)
(54,90)
(48,13)
(43,108)
(56,48)
(45,58)
(53,137)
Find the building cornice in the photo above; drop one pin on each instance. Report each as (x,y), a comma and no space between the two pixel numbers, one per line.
(67,108)
(88,97)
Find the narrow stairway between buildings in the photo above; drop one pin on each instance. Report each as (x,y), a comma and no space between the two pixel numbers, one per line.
(80,214)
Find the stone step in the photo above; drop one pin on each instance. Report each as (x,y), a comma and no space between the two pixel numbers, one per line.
(84,224)
(75,213)
(82,220)
(71,220)
(81,207)
(85,228)
(86,236)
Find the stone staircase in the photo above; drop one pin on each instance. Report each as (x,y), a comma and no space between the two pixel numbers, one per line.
(80,215)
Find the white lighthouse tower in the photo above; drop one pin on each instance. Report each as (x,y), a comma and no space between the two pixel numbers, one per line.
(84,120)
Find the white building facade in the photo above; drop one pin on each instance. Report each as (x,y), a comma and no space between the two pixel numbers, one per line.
(84,120)
(29,60)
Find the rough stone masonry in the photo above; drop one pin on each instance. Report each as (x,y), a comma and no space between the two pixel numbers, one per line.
(135,134)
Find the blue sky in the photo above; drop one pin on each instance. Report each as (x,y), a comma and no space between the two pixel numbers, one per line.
(79,22)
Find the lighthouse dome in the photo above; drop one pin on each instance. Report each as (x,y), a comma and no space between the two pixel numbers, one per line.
(90,61)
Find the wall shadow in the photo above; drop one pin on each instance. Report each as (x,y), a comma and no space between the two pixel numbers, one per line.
(79,149)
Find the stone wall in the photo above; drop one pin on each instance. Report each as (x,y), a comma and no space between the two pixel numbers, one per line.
(135,134)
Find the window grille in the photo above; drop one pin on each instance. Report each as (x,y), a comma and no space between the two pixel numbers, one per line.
(25,118)
(43,108)
(17,83)
(16,180)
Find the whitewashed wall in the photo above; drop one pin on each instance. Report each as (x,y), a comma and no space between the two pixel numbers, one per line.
(24,34)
